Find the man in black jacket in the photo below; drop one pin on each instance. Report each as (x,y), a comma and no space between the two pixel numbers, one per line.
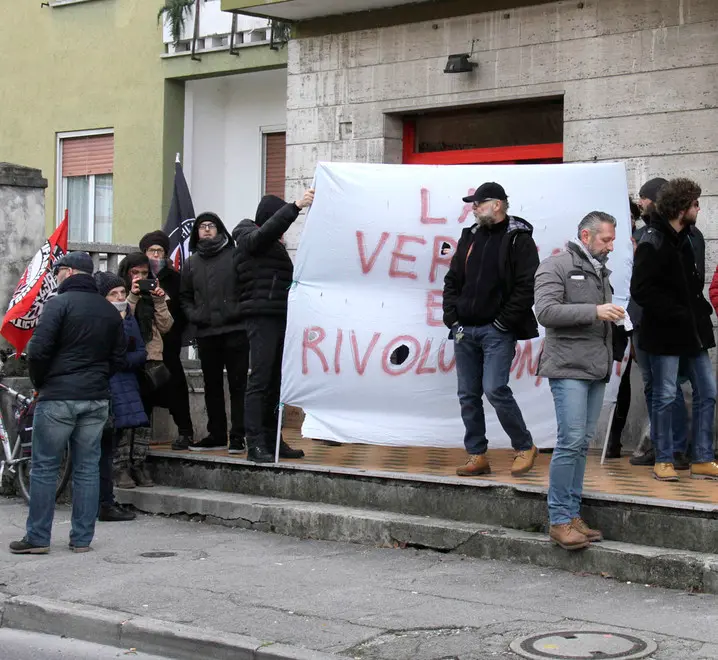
(175,395)
(676,328)
(265,273)
(488,296)
(77,345)
(209,299)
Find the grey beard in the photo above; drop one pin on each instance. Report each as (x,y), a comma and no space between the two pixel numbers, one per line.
(485,220)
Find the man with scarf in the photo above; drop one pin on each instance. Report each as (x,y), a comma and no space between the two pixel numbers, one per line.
(153,316)
(209,300)
(174,395)
(265,273)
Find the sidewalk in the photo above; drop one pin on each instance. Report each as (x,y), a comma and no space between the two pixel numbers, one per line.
(369,603)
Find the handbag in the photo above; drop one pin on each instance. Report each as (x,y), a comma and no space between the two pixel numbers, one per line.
(157,374)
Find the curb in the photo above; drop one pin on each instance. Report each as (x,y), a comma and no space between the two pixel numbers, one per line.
(664,567)
(124,630)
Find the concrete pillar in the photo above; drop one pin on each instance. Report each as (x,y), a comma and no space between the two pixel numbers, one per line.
(22,223)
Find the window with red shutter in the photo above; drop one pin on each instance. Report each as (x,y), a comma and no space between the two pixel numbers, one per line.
(275,161)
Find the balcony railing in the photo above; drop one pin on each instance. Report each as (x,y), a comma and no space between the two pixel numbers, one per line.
(105,256)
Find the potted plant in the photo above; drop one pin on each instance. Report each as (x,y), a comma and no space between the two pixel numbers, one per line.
(175,13)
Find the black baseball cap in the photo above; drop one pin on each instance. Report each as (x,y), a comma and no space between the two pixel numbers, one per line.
(486,191)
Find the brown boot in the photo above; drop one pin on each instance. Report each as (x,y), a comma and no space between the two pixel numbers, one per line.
(593,535)
(123,479)
(568,537)
(141,476)
(476,465)
(665,472)
(524,461)
(704,470)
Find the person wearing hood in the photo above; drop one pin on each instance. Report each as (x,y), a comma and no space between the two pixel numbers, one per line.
(265,273)
(488,296)
(676,331)
(175,395)
(148,304)
(210,301)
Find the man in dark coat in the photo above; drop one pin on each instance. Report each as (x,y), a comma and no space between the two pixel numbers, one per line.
(676,329)
(265,272)
(488,296)
(77,346)
(210,301)
(174,395)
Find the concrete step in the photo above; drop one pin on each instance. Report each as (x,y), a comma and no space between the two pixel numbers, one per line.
(691,526)
(628,562)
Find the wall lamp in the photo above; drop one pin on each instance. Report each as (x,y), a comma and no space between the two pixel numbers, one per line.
(461,62)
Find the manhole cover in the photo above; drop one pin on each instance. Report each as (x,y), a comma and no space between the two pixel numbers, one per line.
(583,645)
(158,555)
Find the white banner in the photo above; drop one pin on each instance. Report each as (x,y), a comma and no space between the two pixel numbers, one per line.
(369,277)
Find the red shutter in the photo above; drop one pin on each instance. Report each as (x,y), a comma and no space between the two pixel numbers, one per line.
(275,161)
(93,154)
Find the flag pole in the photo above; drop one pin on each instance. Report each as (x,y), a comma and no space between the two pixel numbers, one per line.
(279,432)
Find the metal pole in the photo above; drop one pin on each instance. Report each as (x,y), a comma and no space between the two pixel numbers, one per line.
(279,432)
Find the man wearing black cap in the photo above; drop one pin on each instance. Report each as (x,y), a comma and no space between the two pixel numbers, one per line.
(488,296)
(77,345)
(175,395)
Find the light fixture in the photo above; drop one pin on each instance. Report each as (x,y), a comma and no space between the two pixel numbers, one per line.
(461,62)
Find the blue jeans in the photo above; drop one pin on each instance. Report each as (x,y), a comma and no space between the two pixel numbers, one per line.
(680,415)
(56,424)
(483,363)
(664,372)
(578,406)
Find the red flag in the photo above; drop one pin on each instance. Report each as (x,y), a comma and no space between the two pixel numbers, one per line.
(35,288)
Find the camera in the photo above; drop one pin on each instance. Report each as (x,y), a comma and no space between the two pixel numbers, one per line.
(147,286)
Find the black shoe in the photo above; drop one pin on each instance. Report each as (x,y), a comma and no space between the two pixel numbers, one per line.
(649,458)
(236,445)
(613,451)
(115,513)
(680,461)
(209,444)
(24,547)
(285,451)
(182,443)
(546,450)
(259,454)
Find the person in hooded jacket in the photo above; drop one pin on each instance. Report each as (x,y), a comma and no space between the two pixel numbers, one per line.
(488,296)
(154,319)
(210,301)
(127,411)
(265,274)
(175,395)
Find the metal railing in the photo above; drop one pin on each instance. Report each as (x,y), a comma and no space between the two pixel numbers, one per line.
(105,256)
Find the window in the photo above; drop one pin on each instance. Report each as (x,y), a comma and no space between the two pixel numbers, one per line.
(85,164)
(275,161)
(516,132)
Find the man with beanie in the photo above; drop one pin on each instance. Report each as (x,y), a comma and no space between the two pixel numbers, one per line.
(265,274)
(210,301)
(488,296)
(174,395)
(77,345)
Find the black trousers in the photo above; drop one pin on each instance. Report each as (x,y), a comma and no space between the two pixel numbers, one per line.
(110,437)
(623,404)
(175,395)
(230,351)
(266,346)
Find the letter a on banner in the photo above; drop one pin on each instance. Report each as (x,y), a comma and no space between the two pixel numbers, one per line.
(35,288)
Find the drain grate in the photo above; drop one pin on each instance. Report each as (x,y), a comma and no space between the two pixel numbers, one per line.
(158,555)
(583,645)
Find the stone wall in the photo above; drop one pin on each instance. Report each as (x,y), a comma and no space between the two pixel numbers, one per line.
(22,224)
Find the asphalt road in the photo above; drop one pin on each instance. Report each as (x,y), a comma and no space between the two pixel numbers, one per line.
(18,645)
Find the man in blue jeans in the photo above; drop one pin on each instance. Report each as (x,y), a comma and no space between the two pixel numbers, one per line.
(676,331)
(573,303)
(77,345)
(488,300)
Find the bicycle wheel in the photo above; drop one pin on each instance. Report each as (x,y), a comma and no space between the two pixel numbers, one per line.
(24,475)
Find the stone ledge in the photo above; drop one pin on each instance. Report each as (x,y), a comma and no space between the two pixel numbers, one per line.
(21,176)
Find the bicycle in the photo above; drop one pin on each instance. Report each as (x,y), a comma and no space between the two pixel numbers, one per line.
(18,449)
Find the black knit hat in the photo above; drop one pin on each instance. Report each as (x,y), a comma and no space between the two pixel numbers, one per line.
(107,281)
(155,238)
(650,189)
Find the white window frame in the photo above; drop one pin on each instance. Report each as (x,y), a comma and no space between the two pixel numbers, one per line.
(61,184)
(264,131)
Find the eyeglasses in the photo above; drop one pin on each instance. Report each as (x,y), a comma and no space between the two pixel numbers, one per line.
(208,226)
(159,251)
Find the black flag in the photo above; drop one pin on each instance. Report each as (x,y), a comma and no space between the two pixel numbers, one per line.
(180,219)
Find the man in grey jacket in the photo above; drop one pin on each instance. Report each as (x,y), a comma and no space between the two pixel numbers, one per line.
(573,303)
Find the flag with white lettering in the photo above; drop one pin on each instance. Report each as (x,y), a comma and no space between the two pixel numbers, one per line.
(180,219)
(37,285)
